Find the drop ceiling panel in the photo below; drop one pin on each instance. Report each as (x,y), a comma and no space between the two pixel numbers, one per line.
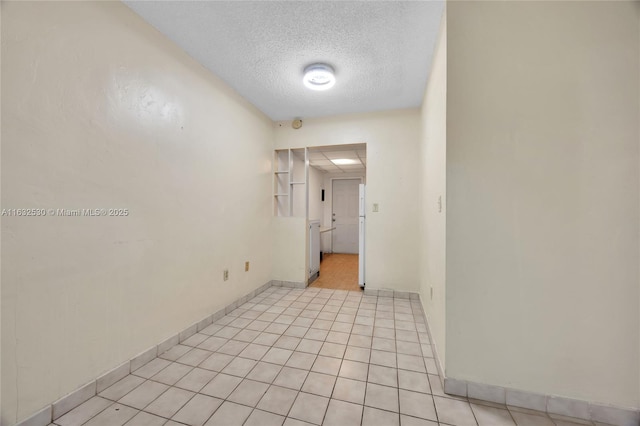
(381,50)
(333,155)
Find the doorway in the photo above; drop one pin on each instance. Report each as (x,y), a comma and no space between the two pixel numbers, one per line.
(345,216)
(335,175)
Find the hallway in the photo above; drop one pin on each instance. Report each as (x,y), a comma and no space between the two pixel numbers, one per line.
(338,271)
(298,357)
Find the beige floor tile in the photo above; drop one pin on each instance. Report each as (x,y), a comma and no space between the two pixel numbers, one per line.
(349,390)
(408,348)
(213,343)
(115,415)
(413,381)
(248,392)
(239,367)
(354,370)
(152,368)
(167,404)
(197,410)
(417,405)
(407,336)
(196,379)
(289,345)
(287,342)
(382,344)
(490,416)
(277,356)
(340,413)
(216,362)
(292,378)
(122,387)
(221,386)
(277,400)
(334,350)
(337,337)
(175,352)
(233,347)
(309,408)
(301,360)
(84,411)
(384,333)
(374,417)
(354,353)
(414,421)
(194,357)
(319,384)
(264,372)
(360,341)
(383,397)
(246,336)
(195,340)
(454,412)
(142,396)
(411,363)
(146,419)
(263,418)
(316,334)
(296,331)
(170,375)
(327,365)
(229,414)
(383,375)
(310,346)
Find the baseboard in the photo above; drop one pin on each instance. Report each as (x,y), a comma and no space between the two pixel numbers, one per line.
(434,347)
(550,404)
(288,284)
(59,408)
(391,293)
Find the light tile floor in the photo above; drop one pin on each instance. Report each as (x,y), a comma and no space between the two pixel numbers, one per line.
(299,357)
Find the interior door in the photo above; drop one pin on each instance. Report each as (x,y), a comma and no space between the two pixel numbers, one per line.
(345,204)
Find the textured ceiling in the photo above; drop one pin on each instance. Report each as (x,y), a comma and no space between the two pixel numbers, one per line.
(381,50)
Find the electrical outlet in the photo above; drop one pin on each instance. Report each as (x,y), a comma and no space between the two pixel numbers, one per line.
(431,293)
(225,275)
(375,207)
(246,266)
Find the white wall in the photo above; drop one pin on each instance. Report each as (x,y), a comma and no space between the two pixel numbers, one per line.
(542,187)
(299,192)
(290,251)
(327,242)
(316,185)
(392,181)
(433,159)
(99,111)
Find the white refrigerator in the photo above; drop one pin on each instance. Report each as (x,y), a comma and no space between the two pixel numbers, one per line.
(361,222)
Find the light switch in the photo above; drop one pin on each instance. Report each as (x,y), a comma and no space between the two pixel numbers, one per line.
(375,207)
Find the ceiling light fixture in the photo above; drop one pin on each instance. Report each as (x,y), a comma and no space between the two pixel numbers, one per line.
(319,77)
(344,161)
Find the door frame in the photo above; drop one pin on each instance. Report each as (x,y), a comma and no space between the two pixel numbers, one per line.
(331,204)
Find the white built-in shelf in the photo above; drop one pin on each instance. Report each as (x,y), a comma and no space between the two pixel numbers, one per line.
(289,182)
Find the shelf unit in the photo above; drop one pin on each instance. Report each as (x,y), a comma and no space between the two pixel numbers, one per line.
(290,176)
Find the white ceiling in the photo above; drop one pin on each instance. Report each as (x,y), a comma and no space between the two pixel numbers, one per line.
(321,157)
(381,50)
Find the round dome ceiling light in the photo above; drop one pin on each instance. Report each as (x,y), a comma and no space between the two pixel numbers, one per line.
(319,77)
